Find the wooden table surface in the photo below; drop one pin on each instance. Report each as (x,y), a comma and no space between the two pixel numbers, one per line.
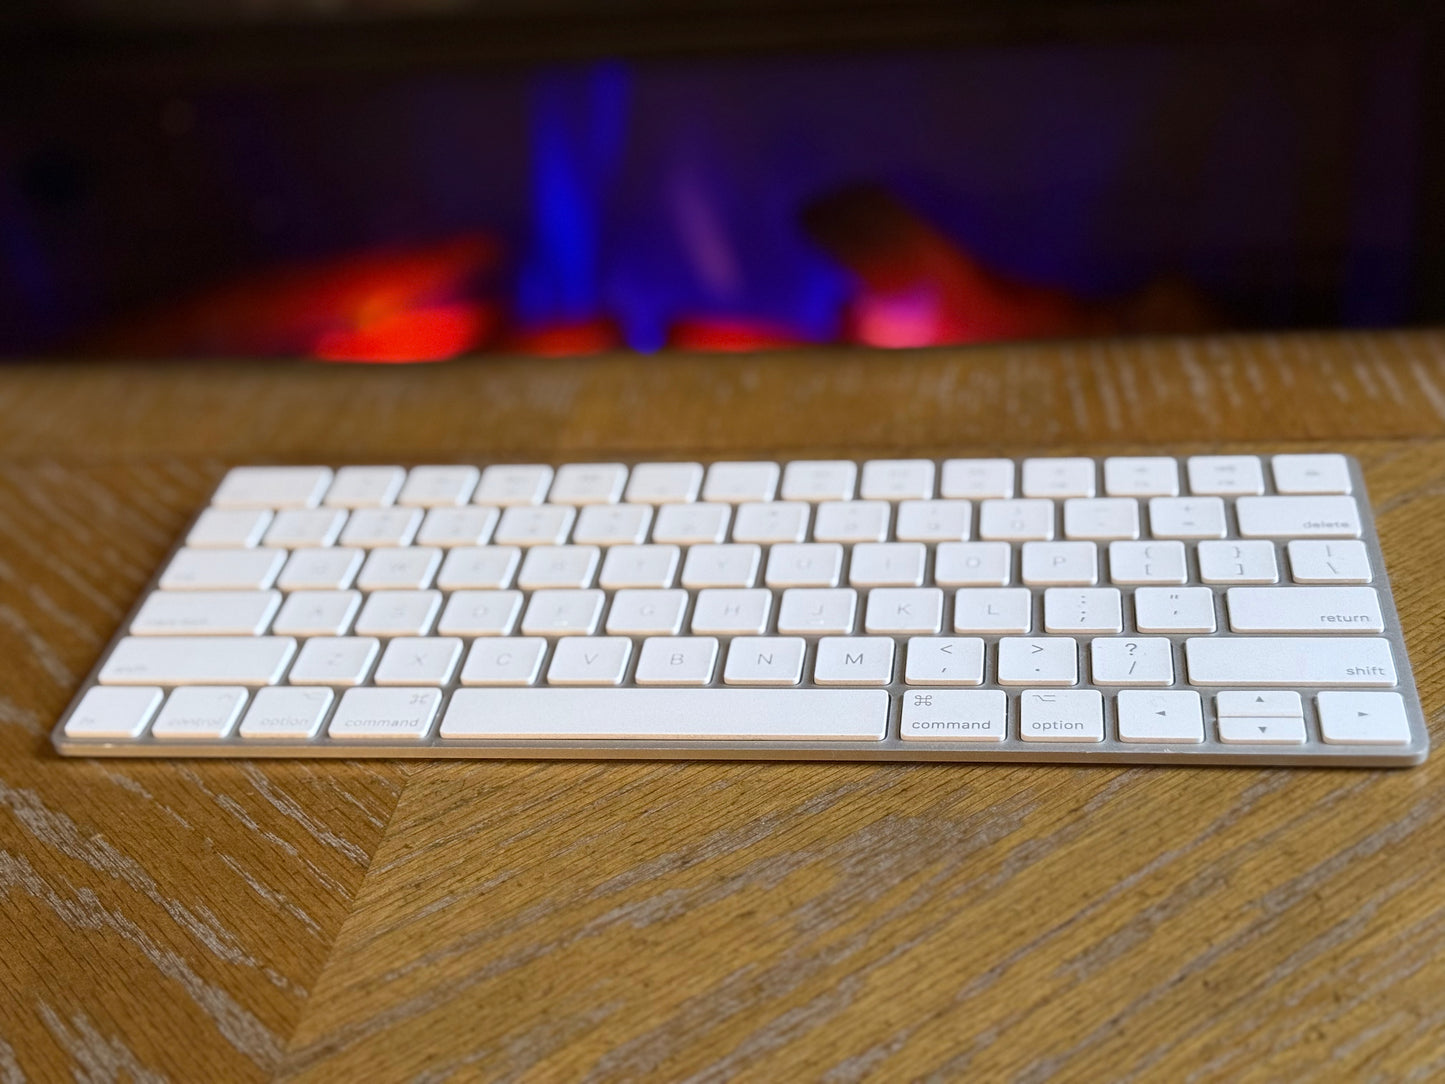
(706,921)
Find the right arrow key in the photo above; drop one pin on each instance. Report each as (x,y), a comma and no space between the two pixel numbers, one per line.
(1351,718)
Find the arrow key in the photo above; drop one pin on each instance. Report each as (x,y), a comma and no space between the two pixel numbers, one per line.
(1172,716)
(1350,718)
(1260,703)
(1260,730)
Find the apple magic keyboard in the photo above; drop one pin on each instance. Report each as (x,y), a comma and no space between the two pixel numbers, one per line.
(1211,609)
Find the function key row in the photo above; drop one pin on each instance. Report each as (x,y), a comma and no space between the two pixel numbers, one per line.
(507,485)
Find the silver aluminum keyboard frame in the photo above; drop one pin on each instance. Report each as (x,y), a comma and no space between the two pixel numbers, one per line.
(1314,753)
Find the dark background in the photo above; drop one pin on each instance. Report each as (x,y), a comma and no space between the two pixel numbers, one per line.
(648,167)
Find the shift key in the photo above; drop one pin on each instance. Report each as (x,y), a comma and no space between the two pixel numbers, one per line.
(198,660)
(1325,661)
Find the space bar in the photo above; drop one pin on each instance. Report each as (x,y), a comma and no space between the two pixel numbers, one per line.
(669,714)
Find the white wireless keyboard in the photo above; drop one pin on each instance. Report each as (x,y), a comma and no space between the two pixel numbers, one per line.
(1210,610)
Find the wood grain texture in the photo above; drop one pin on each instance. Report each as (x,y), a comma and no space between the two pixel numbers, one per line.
(711,921)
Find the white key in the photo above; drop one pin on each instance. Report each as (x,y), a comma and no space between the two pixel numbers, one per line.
(320,570)
(722,611)
(933,521)
(1237,562)
(817,610)
(193,713)
(853,660)
(292,714)
(944,660)
(612,524)
(904,609)
(1348,718)
(480,613)
(398,613)
(1058,477)
(806,564)
(590,660)
(1260,703)
(819,480)
(1174,609)
(1076,715)
(1038,661)
(640,566)
(774,521)
(896,480)
(669,714)
(1311,474)
(229,528)
(113,713)
(1147,562)
(198,660)
(1174,716)
(223,570)
(764,660)
(385,714)
(954,715)
(1103,518)
(729,565)
(205,613)
(1016,520)
(317,613)
(1186,517)
(272,487)
(1060,563)
(334,660)
(851,521)
(1137,660)
(887,564)
(1298,517)
(1083,609)
(972,564)
(508,485)
(1141,476)
(1225,475)
(1329,562)
(559,566)
(664,483)
(646,613)
(993,609)
(588,483)
(733,483)
(418,660)
(298,528)
(399,568)
(450,527)
(977,479)
(1239,730)
(479,567)
(437,487)
(1304,609)
(540,525)
(679,660)
(371,527)
(365,487)
(563,613)
(512,661)
(687,524)
(1290,660)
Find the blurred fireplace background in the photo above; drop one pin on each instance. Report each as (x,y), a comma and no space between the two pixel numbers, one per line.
(394,180)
